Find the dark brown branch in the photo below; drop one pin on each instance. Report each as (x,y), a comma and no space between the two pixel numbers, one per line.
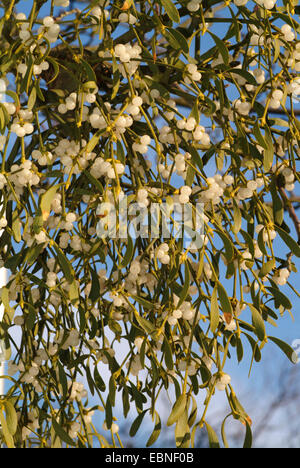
(290,208)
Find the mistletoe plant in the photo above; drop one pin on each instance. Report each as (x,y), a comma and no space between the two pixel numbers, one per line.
(116,118)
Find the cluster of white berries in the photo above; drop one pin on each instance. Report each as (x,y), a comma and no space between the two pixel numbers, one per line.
(72,100)
(138,275)
(97,120)
(293,58)
(294,87)
(114,427)
(289,178)
(135,365)
(127,18)
(184,311)
(77,391)
(281,276)
(216,187)
(260,78)
(67,225)
(68,152)
(193,5)
(102,168)
(162,253)
(184,195)
(51,279)
(37,68)
(73,339)
(276,97)
(247,192)
(231,326)
(268,4)
(200,135)
(97,12)
(74,429)
(43,159)
(193,72)
(142,146)
(22,174)
(21,125)
(49,30)
(129,55)
(289,35)
(266,232)
(222,382)
(134,107)
(3,222)
(243,107)
(142,197)
(189,125)
(24,32)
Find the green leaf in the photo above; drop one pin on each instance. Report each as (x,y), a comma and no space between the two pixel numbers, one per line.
(99,382)
(177,410)
(16,226)
(221,48)
(255,347)
(63,380)
(278,211)
(95,288)
(288,351)
(11,417)
(128,254)
(258,323)
(248,436)
(186,285)
(5,301)
(269,152)
(156,431)
(237,218)
(94,141)
(65,264)
(280,298)
(146,304)
(137,423)
(244,74)
(61,433)
(212,436)
(182,431)
(259,136)
(214,311)
(289,241)
(108,413)
(267,267)
(147,326)
(176,39)
(73,292)
(229,251)
(224,300)
(168,354)
(6,433)
(171,10)
(32,99)
(47,199)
